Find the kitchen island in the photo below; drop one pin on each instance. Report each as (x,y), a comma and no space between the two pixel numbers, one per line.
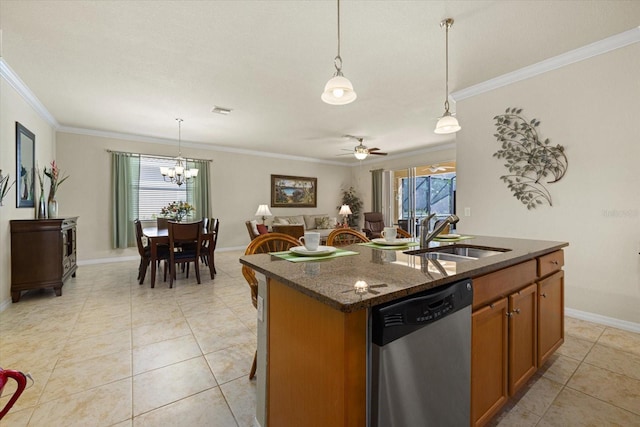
(313,339)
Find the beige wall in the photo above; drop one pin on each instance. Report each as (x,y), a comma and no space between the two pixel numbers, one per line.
(592,108)
(13,108)
(239,183)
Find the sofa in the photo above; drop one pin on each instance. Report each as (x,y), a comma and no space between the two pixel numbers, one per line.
(321,223)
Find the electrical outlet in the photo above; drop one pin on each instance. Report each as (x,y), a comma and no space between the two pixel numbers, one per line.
(260,308)
(467,211)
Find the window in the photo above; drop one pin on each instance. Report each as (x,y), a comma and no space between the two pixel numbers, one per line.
(434,194)
(153,191)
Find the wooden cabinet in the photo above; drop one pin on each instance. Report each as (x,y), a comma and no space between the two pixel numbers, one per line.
(43,254)
(523,356)
(550,315)
(517,323)
(489,361)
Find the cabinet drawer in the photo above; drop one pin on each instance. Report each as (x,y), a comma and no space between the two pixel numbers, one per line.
(501,283)
(549,263)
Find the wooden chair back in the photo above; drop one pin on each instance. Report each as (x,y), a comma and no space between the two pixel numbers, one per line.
(141,248)
(403,234)
(265,243)
(187,237)
(345,237)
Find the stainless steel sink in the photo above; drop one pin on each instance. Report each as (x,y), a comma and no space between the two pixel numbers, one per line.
(456,253)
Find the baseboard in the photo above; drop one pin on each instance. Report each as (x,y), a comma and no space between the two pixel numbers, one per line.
(603,320)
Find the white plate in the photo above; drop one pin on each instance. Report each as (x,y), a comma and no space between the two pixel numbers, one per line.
(397,242)
(322,250)
(448,236)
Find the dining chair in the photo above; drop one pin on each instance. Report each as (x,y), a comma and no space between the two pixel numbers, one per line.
(212,228)
(265,243)
(345,237)
(184,246)
(145,254)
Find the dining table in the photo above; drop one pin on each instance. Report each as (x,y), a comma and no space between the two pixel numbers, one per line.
(160,236)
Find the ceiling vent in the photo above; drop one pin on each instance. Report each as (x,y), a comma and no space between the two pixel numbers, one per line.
(221,110)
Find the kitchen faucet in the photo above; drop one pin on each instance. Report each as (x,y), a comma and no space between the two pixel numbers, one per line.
(424,228)
(425,239)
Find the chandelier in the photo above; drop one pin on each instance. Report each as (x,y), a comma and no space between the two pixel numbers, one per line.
(179,174)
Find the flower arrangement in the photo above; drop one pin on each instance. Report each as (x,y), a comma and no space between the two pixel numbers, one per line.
(177,210)
(55,177)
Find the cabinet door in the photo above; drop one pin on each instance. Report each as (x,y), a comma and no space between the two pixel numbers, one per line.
(488,361)
(550,315)
(523,356)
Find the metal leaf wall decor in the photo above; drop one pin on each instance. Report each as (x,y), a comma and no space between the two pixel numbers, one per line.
(532,163)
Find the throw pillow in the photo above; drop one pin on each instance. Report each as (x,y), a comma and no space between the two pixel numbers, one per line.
(333,222)
(254,226)
(262,229)
(283,221)
(322,222)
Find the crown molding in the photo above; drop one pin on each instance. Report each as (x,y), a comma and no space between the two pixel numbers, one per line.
(200,146)
(23,90)
(594,49)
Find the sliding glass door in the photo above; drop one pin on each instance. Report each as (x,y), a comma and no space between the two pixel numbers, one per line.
(421,191)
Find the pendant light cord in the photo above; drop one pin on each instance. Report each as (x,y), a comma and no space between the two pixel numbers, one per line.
(337,62)
(179,137)
(447,23)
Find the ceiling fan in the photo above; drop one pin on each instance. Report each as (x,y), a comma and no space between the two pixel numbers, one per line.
(437,168)
(361,151)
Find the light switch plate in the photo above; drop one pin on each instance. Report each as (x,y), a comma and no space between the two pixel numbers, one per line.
(467,211)
(260,308)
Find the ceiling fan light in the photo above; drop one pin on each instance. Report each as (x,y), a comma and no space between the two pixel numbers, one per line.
(447,124)
(360,155)
(338,91)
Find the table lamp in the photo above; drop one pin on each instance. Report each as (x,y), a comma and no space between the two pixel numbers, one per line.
(263,211)
(345,211)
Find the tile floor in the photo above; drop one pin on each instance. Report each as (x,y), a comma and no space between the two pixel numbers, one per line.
(110,352)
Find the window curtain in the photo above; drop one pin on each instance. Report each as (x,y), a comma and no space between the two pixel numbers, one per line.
(198,190)
(376,190)
(125,176)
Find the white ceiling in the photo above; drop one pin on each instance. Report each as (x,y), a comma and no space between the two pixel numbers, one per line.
(132,67)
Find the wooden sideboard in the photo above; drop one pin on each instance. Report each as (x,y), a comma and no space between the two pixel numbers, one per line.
(43,254)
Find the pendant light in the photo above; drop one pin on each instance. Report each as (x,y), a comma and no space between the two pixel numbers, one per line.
(447,123)
(338,90)
(179,174)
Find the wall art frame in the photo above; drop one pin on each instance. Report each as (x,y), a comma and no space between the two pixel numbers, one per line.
(25,167)
(293,191)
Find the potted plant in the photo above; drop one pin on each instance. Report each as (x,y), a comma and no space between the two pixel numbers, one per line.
(349,197)
(4,186)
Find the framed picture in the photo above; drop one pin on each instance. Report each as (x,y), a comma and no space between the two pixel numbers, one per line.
(293,192)
(25,167)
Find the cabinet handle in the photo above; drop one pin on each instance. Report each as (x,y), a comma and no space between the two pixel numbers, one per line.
(554,262)
(509,314)
(543,295)
(516,311)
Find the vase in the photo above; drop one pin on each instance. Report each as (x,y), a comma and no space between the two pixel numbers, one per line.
(53,207)
(42,208)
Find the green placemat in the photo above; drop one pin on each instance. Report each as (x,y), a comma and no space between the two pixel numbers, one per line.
(389,247)
(457,239)
(299,258)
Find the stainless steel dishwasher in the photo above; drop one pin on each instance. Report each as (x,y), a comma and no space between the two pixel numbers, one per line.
(421,359)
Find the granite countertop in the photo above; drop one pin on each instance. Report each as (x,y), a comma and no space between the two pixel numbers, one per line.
(390,274)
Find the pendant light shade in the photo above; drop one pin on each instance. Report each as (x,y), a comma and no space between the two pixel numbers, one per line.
(338,90)
(447,123)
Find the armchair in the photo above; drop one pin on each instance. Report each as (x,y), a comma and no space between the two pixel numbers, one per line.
(373,225)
